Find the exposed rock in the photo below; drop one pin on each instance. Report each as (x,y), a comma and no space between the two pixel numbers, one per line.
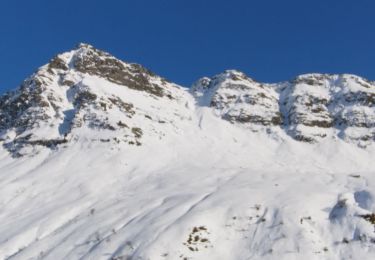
(237,98)
(123,106)
(66,94)
(57,63)
(57,100)
(308,108)
(95,62)
(83,98)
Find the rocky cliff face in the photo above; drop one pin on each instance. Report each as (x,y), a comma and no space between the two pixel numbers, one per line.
(338,106)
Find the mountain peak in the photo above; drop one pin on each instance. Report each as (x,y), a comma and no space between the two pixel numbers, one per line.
(234,74)
(85,88)
(83,45)
(67,59)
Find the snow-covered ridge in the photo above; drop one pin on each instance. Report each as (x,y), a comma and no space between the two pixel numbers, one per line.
(309,108)
(102,159)
(89,91)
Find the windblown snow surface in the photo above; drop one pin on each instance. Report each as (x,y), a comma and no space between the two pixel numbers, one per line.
(199,187)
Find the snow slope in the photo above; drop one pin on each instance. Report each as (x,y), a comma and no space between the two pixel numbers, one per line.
(92,168)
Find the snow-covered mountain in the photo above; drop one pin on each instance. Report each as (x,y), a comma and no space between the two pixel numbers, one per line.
(86,93)
(308,108)
(102,159)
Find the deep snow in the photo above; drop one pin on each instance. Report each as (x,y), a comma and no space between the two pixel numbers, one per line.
(253,197)
(195,187)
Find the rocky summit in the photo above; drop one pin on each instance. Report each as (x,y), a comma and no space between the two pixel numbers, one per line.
(103,159)
(68,94)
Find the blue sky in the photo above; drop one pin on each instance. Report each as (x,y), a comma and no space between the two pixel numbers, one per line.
(270,40)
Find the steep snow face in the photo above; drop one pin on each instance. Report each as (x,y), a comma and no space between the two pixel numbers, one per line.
(309,108)
(102,159)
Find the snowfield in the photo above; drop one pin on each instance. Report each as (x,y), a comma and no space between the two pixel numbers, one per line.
(188,185)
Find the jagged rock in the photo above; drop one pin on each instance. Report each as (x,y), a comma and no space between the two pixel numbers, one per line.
(84,98)
(60,98)
(95,62)
(57,63)
(308,108)
(237,98)
(123,106)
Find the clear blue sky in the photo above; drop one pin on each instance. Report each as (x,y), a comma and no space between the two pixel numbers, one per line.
(270,40)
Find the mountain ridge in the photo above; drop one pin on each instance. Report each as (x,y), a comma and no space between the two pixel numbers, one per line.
(109,161)
(308,108)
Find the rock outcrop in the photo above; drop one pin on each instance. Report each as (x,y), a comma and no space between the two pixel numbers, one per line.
(309,108)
